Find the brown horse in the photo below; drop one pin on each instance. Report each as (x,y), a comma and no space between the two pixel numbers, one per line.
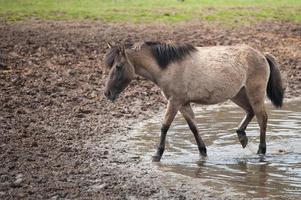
(203,75)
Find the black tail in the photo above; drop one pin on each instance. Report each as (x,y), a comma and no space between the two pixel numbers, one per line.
(275,88)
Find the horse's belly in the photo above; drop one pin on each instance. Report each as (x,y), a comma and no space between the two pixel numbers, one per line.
(212,90)
(208,96)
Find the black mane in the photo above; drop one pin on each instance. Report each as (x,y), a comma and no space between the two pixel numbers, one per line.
(163,53)
(167,53)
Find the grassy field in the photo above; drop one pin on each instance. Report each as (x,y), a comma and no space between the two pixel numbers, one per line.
(228,11)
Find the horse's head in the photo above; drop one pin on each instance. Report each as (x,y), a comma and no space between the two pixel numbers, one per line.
(121,71)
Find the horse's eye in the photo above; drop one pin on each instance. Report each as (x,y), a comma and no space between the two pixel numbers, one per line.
(118,67)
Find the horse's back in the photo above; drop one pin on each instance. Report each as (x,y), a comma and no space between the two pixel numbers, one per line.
(215,74)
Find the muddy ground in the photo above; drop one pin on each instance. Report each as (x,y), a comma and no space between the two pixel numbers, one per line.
(59,135)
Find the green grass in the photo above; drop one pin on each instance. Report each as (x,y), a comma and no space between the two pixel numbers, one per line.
(228,11)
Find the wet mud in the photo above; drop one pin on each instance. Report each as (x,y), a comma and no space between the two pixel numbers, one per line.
(61,139)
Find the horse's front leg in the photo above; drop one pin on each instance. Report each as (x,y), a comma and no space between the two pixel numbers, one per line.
(171,111)
(188,114)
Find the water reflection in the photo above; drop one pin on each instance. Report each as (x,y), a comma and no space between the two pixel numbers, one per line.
(229,168)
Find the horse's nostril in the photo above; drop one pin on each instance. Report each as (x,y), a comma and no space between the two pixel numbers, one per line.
(107,93)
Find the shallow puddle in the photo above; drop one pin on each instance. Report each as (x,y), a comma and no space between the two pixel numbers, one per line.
(229,168)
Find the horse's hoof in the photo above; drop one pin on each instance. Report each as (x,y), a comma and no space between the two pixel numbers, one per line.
(243,141)
(156,158)
(203,157)
(262,149)
(202,160)
(242,137)
(203,152)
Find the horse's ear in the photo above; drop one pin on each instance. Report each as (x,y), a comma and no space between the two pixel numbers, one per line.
(124,53)
(109,45)
(123,50)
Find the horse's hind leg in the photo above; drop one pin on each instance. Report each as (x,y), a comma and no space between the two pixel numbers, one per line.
(256,97)
(241,99)
(262,119)
(188,114)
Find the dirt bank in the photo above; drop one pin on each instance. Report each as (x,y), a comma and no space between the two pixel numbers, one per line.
(58,134)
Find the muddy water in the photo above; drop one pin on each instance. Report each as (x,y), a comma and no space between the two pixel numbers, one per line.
(229,169)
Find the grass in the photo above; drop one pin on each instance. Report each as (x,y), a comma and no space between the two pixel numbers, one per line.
(226,11)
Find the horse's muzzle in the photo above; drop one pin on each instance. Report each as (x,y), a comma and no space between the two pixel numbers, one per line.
(111,95)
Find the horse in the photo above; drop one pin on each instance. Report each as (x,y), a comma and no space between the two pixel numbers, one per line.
(203,75)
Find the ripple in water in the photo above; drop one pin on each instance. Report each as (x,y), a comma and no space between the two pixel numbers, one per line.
(229,168)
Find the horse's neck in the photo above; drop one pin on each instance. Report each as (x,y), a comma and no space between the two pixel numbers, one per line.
(147,68)
(146,74)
